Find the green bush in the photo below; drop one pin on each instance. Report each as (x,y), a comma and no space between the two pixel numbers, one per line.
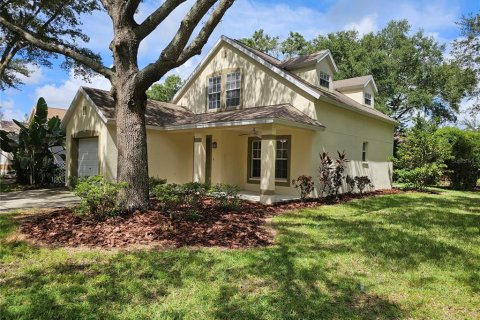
(422,155)
(193,193)
(226,196)
(463,168)
(419,178)
(153,182)
(99,197)
(170,195)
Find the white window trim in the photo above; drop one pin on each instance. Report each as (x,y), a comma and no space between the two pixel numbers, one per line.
(239,88)
(214,92)
(326,77)
(367,96)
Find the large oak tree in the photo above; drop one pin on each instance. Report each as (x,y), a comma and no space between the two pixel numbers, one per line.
(129,82)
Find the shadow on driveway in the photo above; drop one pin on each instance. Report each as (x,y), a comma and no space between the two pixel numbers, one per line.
(40,198)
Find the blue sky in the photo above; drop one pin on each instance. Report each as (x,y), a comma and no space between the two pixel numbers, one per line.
(310,18)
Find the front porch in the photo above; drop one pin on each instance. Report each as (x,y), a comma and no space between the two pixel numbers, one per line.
(262,160)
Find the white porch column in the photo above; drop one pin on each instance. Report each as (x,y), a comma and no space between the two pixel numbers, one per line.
(267,174)
(199,158)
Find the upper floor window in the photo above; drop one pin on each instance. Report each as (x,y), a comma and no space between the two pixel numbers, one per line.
(324,79)
(232,89)
(368,99)
(364,151)
(214,92)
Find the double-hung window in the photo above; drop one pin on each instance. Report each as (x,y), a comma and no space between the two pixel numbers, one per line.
(232,89)
(324,79)
(282,159)
(364,151)
(255,158)
(368,99)
(214,92)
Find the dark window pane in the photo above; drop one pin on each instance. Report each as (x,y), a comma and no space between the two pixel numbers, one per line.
(256,168)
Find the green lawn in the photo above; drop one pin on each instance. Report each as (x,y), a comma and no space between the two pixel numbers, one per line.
(399,256)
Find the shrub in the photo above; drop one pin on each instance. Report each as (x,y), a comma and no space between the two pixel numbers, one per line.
(350,183)
(419,178)
(193,215)
(99,197)
(331,173)
(193,192)
(339,169)
(170,195)
(421,157)
(153,182)
(305,185)
(463,168)
(325,173)
(226,196)
(363,182)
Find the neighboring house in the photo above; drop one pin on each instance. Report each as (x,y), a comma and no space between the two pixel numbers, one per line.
(6,158)
(244,118)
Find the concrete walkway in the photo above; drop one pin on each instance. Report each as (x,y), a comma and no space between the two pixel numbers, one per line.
(40,198)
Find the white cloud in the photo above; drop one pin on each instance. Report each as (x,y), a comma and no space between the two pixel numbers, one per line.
(61,96)
(36,75)
(10,111)
(366,25)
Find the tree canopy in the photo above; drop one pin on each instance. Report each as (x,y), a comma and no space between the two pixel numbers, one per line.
(165,91)
(48,20)
(410,69)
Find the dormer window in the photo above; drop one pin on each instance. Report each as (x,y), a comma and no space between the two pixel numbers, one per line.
(232,89)
(324,79)
(368,99)
(214,92)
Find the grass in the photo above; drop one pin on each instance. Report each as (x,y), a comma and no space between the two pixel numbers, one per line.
(408,255)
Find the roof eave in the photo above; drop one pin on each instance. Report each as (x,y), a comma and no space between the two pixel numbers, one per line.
(70,110)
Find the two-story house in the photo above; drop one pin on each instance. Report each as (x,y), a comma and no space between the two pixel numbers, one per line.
(244,118)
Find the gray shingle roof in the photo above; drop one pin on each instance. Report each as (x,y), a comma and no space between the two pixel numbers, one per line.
(161,114)
(9,126)
(351,82)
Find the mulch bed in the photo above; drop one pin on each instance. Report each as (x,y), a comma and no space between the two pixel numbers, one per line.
(246,228)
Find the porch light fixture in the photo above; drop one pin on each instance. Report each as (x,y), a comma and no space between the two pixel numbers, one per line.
(214,144)
(283,140)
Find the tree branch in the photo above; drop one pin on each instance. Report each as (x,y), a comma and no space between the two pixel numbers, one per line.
(58,48)
(172,56)
(195,47)
(153,20)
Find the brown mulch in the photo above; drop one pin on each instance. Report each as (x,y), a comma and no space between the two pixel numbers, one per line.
(245,228)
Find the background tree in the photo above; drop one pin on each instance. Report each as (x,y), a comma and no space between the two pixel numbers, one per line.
(165,91)
(33,158)
(46,19)
(263,42)
(466,51)
(410,69)
(421,157)
(294,45)
(463,168)
(129,82)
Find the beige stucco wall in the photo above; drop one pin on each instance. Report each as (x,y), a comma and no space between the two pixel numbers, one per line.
(346,131)
(309,74)
(259,86)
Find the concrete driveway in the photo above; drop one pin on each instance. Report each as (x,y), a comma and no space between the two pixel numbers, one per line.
(40,198)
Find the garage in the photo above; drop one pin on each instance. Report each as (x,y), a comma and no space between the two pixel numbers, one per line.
(87,157)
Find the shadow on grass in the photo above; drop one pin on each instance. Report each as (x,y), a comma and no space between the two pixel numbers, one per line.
(295,279)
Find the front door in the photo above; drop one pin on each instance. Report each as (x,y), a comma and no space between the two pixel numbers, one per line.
(208,160)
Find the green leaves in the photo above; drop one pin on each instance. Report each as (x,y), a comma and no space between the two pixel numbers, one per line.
(165,91)
(32,158)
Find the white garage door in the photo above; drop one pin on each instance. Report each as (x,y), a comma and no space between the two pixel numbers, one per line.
(87,157)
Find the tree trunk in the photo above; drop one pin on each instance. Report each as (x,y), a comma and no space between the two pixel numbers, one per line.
(132,166)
